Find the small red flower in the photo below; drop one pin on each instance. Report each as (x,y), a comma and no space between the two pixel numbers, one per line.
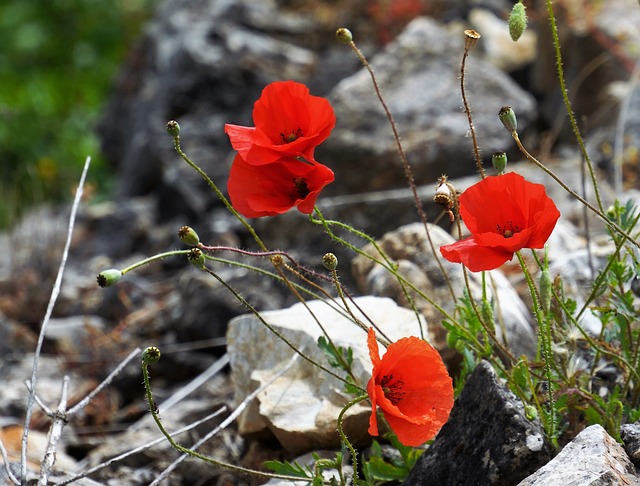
(267,190)
(289,123)
(411,386)
(504,214)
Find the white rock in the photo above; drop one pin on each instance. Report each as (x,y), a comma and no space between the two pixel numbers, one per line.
(593,458)
(301,407)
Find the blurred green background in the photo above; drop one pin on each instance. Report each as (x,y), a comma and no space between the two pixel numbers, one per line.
(58,59)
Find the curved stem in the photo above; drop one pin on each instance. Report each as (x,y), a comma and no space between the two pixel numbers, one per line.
(343,436)
(595,210)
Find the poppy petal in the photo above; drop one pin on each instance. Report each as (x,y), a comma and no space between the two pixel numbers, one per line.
(475,257)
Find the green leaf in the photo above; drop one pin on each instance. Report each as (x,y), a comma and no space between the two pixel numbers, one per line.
(289,468)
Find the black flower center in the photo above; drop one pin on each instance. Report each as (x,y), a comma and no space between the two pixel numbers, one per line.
(288,137)
(392,389)
(508,230)
(302,190)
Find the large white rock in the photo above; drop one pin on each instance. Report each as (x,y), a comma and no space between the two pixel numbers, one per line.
(301,407)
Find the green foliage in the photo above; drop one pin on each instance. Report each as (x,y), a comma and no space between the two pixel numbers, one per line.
(377,468)
(57,63)
(289,468)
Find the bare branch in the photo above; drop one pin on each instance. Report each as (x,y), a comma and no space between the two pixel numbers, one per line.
(52,301)
(55,432)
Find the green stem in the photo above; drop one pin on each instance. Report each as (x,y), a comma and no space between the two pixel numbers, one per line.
(567,102)
(544,327)
(153,258)
(343,436)
(221,196)
(593,209)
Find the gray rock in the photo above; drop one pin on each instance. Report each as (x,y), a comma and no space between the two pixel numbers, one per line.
(488,440)
(301,407)
(630,434)
(408,247)
(593,458)
(418,74)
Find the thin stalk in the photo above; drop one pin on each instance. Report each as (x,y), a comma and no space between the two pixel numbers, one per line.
(405,162)
(545,342)
(343,436)
(567,102)
(577,196)
(476,150)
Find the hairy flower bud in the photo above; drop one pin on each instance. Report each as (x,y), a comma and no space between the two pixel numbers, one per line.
(150,355)
(330,261)
(499,161)
(196,258)
(188,236)
(107,278)
(344,35)
(508,118)
(517,21)
(545,290)
(173,128)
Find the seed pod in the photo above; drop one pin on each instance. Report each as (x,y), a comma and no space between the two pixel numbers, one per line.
(107,278)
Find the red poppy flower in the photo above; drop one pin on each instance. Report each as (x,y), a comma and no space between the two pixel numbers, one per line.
(504,214)
(412,388)
(289,123)
(267,190)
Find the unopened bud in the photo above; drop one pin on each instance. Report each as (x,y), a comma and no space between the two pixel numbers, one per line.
(330,261)
(344,35)
(471,38)
(173,128)
(517,21)
(196,258)
(499,161)
(508,118)
(545,290)
(530,412)
(150,355)
(188,236)
(277,260)
(107,278)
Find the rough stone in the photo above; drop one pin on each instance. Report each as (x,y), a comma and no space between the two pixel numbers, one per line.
(593,458)
(488,440)
(630,434)
(301,407)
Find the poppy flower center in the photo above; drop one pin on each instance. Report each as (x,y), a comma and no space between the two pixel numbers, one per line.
(288,137)
(301,188)
(392,389)
(507,230)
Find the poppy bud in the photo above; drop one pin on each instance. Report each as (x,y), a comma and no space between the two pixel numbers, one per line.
(150,355)
(188,236)
(508,118)
(344,35)
(196,258)
(499,161)
(545,290)
(471,38)
(330,261)
(109,277)
(517,21)
(173,128)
